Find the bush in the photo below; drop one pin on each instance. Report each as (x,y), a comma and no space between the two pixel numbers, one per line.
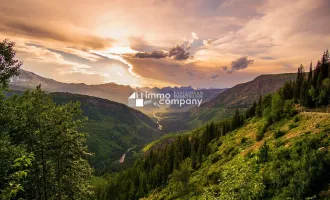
(278,133)
(261,132)
(278,143)
(243,140)
(215,158)
(228,150)
(289,109)
(213,177)
(292,126)
(250,154)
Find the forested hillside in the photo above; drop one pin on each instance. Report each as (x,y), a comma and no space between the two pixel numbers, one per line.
(224,104)
(112,129)
(274,150)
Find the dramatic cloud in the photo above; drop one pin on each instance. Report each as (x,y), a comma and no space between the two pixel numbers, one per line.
(239,64)
(51,33)
(179,52)
(155,54)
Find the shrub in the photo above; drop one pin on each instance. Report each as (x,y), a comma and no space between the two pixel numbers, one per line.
(243,140)
(278,143)
(249,154)
(215,158)
(292,126)
(213,177)
(278,133)
(228,150)
(261,132)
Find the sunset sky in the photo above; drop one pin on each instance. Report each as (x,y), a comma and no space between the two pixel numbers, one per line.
(202,43)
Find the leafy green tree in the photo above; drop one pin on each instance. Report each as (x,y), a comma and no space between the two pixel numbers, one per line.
(60,168)
(9,67)
(277,107)
(324,96)
(14,179)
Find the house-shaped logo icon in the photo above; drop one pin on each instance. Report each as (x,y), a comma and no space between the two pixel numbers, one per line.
(135,100)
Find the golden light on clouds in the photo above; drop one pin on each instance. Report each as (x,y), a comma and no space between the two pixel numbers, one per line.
(177,42)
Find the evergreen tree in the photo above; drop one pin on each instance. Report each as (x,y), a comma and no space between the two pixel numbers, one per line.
(236,120)
(193,157)
(259,107)
(299,81)
(310,75)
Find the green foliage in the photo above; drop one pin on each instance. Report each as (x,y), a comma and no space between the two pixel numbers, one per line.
(113,128)
(60,168)
(278,133)
(43,156)
(263,153)
(13,181)
(181,177)
(8,65)
(288,109)
(261,132)
(239,179)
(299,171)
(277,107)
(258,111)
(292,126)
(172,160)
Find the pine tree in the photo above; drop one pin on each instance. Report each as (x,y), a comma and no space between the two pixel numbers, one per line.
(236,120)
(299,81)
(263,153)
(193,156)
(259,107)
(310,75)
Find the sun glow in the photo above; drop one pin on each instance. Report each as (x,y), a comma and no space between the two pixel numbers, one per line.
(120,50)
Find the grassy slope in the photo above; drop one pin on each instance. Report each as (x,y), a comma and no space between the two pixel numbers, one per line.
(229,151)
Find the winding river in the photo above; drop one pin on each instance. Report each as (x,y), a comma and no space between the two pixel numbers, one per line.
(158,121)
(122,158)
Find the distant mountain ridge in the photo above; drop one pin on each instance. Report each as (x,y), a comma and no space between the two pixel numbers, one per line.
(111,91)
(243,95)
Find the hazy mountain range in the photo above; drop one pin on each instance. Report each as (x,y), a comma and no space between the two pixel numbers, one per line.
(111,91)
